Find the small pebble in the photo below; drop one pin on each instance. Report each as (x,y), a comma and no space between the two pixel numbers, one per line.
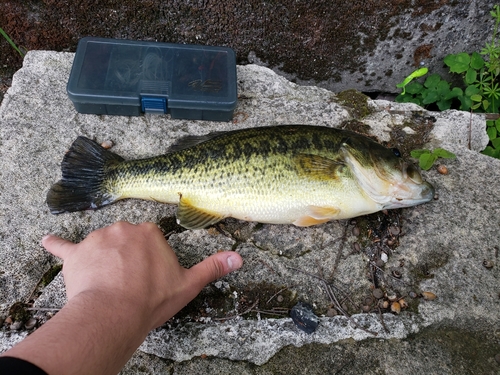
(392,297)
(384,304)
(394,230)
(384,257)
(107,144)
(403,303)
(356,231)
(356,247)
(366,308)
(9,320)
(436,196)
(331,312)
(487,264)
(368,300)
(412,294)
(442,169)
(16,326)
(396,307)
(396,274)
(429,296)
(304,318)
(378,293)
(30,324)
(280,298)
(497,358)
(390,242)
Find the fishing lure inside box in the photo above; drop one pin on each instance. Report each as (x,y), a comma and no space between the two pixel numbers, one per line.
(123,77)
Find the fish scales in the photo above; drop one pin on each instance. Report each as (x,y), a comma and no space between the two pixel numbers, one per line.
(283,174)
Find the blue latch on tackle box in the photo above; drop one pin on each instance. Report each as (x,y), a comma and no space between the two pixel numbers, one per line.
(123,77)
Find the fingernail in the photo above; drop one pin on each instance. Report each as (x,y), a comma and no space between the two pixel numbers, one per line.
(46,236)
(234,262)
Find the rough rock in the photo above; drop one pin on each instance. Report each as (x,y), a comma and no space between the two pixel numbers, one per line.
(441,248)
(368,46)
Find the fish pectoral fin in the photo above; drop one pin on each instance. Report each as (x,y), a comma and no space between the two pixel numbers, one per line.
(317,215)
(192,217)
(318,167)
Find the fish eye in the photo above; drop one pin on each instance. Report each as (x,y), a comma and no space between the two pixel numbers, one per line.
(414,174)
(396,152)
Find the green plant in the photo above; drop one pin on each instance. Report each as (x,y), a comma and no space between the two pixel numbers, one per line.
(426,158)
(481,92)
(433,90)
(480,75)
(417,73)
(493,130)
(7,38)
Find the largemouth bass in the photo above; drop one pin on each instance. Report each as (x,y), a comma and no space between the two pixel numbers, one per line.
(293,174)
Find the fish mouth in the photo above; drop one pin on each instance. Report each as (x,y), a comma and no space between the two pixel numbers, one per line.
(413,195)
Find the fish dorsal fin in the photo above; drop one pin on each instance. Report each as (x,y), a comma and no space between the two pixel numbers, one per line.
(193,140)
(192,217)
(319,167)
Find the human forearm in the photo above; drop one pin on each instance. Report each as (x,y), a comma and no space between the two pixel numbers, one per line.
(78,339)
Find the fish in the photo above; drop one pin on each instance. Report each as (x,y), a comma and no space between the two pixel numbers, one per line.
(289,174)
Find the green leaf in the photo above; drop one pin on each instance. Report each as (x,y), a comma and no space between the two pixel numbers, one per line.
(442,153)
(432,81)
(476,98)
(497,124)
(454,93)
(415,100)
(458,63)
(417,153)
(443,88)
(470,76)
(426,160)
(417,73)
(414,88)
(444,105)
(490,151)
(7,38)
(472,90)
(492,132)
(476,61)
(496,143)
(430,97)
(466,103)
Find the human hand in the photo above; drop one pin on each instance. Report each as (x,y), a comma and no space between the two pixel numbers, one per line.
(134,266)
(121,281)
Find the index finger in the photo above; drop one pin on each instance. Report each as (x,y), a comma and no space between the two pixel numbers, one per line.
(57,245)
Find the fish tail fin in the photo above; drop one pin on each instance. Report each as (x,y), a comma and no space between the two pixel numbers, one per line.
(84,172)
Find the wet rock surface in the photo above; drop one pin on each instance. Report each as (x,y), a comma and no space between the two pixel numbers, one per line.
(369,46)
(239,324)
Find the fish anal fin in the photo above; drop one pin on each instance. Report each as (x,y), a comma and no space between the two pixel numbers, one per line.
(319,167)
(192,217)
(317,215)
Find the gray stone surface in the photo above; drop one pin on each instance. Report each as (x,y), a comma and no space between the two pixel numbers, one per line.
(338,44)
(441,249)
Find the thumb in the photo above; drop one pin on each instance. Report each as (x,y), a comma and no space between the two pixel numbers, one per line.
(214,267)
(57,246)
